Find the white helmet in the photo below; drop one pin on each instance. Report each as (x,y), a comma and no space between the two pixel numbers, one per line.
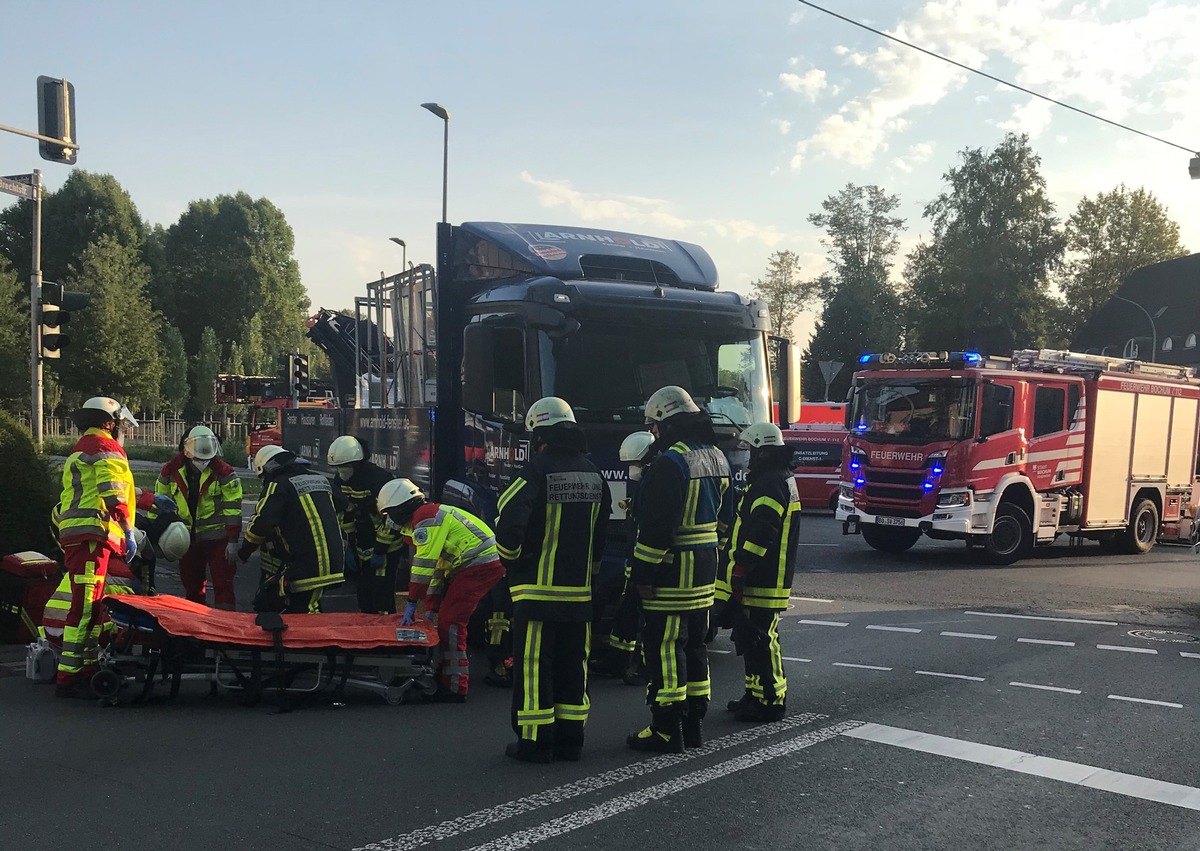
(762,434)
(667,402)
(396,493)
(345,450)
(113,408)
(201,444)
(265,455)
(174,541)
(636,446)
(139,538)
(548,411)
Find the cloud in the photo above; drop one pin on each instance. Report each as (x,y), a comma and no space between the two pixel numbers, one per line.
(917,154)
(808,84)
(1032,117)
(784,127)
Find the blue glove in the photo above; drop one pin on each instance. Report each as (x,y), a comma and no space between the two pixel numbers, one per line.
(165,504)
(130,546)
(378,560)
(350,562)
(409,612)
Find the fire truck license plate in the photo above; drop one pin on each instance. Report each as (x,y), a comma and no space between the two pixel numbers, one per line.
(889,521)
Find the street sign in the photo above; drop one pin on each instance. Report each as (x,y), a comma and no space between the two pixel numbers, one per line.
(20,185)
(829,369)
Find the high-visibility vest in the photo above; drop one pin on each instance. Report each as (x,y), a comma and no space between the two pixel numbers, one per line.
(218,500)
(447,540)
(98,494)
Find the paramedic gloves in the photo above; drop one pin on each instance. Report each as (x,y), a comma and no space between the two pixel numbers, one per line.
(245,551)
(165,504)
(231,553)
(350,564)
(378,560)
(409,612)
(130,546)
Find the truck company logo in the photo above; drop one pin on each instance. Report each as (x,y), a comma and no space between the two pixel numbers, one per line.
(549,252)
(518,454)
(895,455)
(605,239)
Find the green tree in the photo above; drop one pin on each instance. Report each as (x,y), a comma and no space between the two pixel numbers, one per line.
(205,366)
(254,352)
(174,394)
(1107,237)
(14,337)
(783,291)
(29,491)
(862,310)
(982,281)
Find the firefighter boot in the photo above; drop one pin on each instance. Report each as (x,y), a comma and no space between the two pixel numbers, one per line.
(525,750)
(693,722)
(664,735)
(743,701)
(755,711)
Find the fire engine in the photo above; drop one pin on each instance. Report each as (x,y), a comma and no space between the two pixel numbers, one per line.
(817,440)
(1009,453)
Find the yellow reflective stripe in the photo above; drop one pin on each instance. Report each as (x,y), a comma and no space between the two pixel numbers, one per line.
(512,491)
(551,593)
(507,554)
(653,555)
(318,533)
(550,545)
(769,503)
(751,547)
(570,712)
(699,688)
(671,691)
(531,715)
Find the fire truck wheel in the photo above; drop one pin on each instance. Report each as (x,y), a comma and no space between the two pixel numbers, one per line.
(1142,531)
(890,539)
(1012,536)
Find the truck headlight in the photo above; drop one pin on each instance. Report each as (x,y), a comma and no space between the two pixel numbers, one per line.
(954,499)
(846,492)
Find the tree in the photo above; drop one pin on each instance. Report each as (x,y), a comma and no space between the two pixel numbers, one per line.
(1107,237)
(14,337)
(982,281)
(205,366)
(783,291)
(862,310)
(254,352)
(29,491)
(174,393)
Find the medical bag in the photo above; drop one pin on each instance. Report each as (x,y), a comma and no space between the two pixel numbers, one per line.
(27,581)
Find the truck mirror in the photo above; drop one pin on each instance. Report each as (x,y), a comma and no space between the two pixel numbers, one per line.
(786,383)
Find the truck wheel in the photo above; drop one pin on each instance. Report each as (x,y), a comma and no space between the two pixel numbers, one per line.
(1142,532)
(1012,536)
(1110,542)
(833,501)
(890,539)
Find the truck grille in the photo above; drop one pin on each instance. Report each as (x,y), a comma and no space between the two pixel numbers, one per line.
(897,493)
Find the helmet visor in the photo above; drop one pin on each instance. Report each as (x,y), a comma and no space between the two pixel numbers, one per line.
(202,447)
(124,417)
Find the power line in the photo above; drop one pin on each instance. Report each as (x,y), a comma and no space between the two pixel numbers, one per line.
(992,77)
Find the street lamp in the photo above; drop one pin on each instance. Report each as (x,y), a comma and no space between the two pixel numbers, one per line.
(444,114)
(400,242)
(1153,329)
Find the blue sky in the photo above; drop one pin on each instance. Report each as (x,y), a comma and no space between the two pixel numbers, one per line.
(718,122)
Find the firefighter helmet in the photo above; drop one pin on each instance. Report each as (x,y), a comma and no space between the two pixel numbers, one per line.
(100,409)
(174,541)
(345,450)
(667,402)
(762,434)
(398,494)
(636,447)
(201,444)
(548,411)
(268,454)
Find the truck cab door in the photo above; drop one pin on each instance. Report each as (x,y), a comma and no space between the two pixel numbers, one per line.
(1000,443)
(1055,457)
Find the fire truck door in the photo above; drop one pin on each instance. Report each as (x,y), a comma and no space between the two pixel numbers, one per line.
(1055,457)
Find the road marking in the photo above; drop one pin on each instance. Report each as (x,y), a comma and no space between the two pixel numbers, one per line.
(812,599)
(864,667)
(893,628)
(969,635)
(1149,650)
(632,800)
(1131,785)
(825,623)
(1047,688)
(1041,618)
(1045,641)
(1144,700)
(711,650)
(557,794)
(1189,655)
(952,676)
(818,545)
(794,659)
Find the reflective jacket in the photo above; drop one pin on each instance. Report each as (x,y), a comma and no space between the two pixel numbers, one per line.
(296,509)
(359,519)
(97,502)
(686,508)
(447,540)
(765,536)
(550,533)
(209,501)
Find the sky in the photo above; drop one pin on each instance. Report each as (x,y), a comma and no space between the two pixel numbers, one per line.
(720,123)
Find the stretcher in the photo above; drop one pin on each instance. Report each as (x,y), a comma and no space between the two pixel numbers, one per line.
(164,641)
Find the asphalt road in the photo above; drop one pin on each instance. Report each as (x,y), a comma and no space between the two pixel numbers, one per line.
(934,702)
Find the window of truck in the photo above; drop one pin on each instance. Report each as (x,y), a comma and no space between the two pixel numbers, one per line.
(910,409)
(1049,410)
(997,409)
(494,381)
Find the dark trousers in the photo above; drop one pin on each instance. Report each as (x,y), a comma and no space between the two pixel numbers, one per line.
(626,620)
(498,627)
(377,588)
(765,679)
(550,702)
(677,663)
(304,602)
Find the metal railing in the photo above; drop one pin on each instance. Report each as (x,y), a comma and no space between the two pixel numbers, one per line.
(160,431)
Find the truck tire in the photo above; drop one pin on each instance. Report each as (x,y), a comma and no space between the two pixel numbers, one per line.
(890,539)
(1011,538)
(1110,542)
(1141,533)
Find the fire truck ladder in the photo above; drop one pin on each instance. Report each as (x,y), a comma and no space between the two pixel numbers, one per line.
(1055,360)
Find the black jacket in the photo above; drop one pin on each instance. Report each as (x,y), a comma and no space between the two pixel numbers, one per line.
(296,506)
(355,499)
(767,531)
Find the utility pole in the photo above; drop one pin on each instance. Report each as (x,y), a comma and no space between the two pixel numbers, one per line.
(35,324)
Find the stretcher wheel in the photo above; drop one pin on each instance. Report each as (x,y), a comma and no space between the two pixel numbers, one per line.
(427,685)
(394,696)
(107,684)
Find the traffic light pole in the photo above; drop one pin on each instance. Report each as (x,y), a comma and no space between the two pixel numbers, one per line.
(35,328)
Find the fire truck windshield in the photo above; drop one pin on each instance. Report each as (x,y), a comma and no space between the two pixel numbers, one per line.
(608,373)
(914,410)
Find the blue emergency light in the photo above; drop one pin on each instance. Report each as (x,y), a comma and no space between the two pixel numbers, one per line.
(919,359)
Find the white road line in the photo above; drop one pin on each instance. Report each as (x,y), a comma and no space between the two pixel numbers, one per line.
(812,599)
(1041,618)
(1144,700)
(557,794)
(1045,641)
(1131,785)
(1047,688)
(1149,650)
(893,628)
(818,545)
(864,667)
(952,676)
(825,623)
(632,800)
(1189,655)
(711,650)
(969,635)
(794,659)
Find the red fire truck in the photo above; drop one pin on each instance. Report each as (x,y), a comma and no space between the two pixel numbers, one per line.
(1010,453)
(817,440)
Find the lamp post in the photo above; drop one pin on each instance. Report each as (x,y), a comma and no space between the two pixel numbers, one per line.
(1150,319)
(404,256)
(444,114)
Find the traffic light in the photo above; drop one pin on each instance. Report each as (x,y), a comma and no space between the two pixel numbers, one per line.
(301,375)
(54,314)
(56,118)
(285,366)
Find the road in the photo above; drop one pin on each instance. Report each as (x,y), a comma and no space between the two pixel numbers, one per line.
(934,702)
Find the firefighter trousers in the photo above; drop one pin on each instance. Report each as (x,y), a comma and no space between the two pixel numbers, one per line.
(377,588)
(626,621)
(677,663)
(499,638)
(87,566)
(550,702)
(202,558)
(466,589)
(765,679)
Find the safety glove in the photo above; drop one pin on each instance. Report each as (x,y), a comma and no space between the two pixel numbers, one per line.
(410,612)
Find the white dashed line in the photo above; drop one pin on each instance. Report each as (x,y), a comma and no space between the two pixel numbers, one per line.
(893,628)
(1047,688)
(952,676)
(1045,641)
(722,652)
(1189,655)
(1041,618)
(969,635)
(863,667)
(812,599)
(1124,649)
(825,623)
(794,659)
(1143,700)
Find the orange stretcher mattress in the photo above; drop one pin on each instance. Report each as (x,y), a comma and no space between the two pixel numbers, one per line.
(351,631)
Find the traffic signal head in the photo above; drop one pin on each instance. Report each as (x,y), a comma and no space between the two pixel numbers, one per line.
(301,375)
(54,313)
(56,118)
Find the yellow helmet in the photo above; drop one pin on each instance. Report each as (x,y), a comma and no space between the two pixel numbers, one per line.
(667,402)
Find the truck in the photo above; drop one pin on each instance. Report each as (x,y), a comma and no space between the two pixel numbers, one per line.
(266,396)
(1010,453)
(817,441)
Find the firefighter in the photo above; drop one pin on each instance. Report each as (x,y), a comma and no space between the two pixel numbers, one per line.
(455,565)
(296,510)
(685,511)
(96,524)
(762,557)
(370,541)
(551,535)
(208,494)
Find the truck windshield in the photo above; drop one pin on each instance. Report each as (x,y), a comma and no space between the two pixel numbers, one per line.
(915,409)
(608,374)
